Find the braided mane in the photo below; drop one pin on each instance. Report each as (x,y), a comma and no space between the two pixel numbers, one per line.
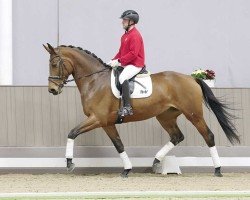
(88,52)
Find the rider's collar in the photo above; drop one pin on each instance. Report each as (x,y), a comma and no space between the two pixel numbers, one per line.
(133,28)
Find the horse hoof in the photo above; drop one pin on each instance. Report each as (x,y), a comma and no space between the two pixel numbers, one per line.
(156,165)
(217,172)
(125,173)
(71,167)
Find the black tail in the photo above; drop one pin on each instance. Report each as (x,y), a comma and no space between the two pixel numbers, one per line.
(220,112)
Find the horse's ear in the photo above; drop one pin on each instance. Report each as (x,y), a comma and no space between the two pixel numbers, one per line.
(47,48)
(50,49)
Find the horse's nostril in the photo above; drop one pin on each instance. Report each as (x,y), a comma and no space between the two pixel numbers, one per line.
(52,90)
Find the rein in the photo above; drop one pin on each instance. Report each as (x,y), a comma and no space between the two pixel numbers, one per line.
(102,70)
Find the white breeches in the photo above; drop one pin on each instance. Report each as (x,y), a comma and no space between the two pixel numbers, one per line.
(128,72)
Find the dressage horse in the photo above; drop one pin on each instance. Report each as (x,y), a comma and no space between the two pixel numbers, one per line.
(173,94)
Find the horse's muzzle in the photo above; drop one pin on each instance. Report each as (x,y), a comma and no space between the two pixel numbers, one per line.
(54,92)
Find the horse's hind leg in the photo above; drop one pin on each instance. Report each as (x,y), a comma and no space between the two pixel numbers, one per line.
(200,124)
(168,121)
(116,140)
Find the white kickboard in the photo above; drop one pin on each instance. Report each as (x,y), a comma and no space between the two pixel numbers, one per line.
(170,165)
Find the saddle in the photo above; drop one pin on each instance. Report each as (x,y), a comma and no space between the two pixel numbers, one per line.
(140,85)
(117,73)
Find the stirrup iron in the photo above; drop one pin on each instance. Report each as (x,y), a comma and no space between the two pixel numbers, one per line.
(124,111)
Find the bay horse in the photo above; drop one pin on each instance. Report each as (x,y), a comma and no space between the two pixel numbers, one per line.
(173,94)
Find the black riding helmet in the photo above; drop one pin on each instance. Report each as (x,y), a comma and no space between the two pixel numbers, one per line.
(131,15)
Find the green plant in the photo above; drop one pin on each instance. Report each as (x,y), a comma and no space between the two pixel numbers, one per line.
(203,74)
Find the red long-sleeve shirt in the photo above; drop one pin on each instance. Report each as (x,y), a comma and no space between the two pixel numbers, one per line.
(131,51)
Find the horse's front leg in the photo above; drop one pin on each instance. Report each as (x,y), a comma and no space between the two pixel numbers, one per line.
(88,125)
(115,138)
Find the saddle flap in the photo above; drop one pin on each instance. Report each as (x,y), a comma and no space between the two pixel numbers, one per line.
(117,73)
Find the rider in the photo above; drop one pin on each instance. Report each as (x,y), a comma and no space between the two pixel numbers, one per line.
(130,56)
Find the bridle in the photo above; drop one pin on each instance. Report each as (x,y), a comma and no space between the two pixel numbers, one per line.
(61,67)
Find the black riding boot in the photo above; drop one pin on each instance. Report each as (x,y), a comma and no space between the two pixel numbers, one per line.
(126,109)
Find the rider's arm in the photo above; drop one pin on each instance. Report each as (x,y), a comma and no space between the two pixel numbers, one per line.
(117,55)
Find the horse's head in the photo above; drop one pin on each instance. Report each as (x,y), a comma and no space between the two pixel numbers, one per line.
(59,70)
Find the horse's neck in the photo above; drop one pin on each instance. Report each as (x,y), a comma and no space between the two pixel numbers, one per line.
(85,65)
(91,85)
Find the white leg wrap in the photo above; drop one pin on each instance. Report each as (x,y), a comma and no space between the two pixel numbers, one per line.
(126,162)
(215,156)
(69,148)
(164,150)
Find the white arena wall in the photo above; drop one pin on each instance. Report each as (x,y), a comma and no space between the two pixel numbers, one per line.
(35,125)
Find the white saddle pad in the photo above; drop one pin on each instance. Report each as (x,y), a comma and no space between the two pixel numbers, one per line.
(139,91)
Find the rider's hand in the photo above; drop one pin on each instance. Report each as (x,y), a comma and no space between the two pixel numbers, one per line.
(114,63)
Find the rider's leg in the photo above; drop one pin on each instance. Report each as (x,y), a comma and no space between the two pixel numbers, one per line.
(128,72)
(126,108)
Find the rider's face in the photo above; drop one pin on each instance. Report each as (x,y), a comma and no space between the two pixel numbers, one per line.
(125,23)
